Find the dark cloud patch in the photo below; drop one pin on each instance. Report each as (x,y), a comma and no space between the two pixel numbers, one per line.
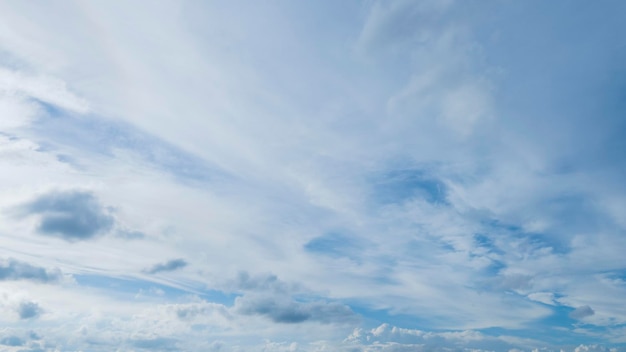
(29,310)
(171,265)
(264,282)
(281,309)
(71,215)
(582,312)
(12,269)
(14,341)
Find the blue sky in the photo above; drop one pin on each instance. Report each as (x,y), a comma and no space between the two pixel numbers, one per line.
(432,175)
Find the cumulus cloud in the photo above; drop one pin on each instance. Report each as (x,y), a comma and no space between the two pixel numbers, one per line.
(595,348)
(29,310)
(72,215)
(170,265)
(582,312)
(11,269)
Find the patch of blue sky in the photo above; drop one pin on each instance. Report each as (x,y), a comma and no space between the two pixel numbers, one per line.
(129,288)
(102,136)
(399,186)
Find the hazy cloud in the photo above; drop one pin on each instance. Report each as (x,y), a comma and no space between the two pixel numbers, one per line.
(171,265)
(71,215)
(11,269)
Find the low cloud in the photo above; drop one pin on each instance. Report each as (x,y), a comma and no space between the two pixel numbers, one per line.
(13,341)
(70,215)
(262,282)
(11,269)
(171,265)
(29,310)
(285,310)
(582,312)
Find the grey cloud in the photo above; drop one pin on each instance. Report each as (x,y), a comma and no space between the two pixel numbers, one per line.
(12,341)
(195,310)
(259,283)
(28,310)
(281,309)
(171,265)
(71,215)
(12,269)
(582,312)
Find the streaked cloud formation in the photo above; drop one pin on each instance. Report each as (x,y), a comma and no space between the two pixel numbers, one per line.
(432,175)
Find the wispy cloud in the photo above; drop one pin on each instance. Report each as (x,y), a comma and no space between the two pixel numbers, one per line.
(378,176)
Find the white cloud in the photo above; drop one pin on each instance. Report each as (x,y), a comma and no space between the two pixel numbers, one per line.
(224,138)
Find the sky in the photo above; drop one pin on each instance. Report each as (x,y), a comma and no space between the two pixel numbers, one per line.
(352,176)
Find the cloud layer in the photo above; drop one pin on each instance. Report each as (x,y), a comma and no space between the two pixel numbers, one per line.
(437,175)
